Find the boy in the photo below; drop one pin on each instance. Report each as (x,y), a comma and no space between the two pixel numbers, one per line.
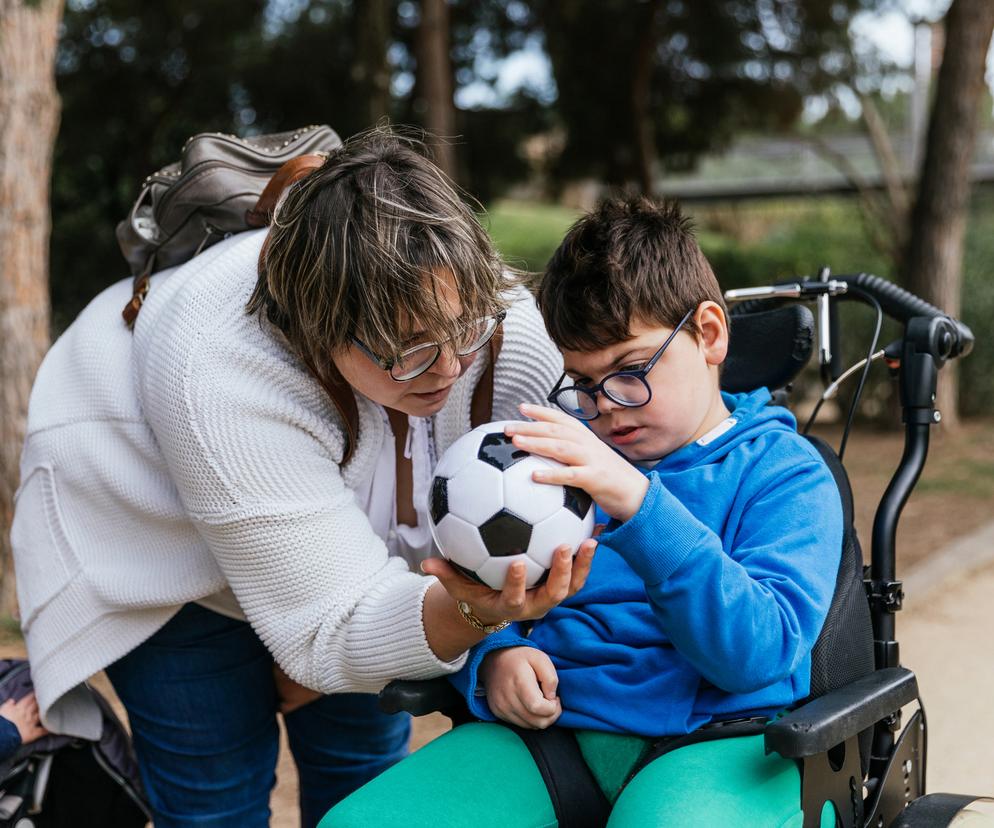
(710,584)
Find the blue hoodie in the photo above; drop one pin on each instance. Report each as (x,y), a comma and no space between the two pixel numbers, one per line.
(706,604)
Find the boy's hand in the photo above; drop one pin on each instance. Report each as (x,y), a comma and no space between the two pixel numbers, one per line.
(614,483)
(23,713)
(514,602)
(521,687)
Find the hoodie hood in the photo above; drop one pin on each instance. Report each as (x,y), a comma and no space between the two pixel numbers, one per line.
(751,415)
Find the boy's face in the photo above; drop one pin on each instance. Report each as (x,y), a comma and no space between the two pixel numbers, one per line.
(686,401)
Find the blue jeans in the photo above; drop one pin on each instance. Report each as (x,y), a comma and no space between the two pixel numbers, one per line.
(202,704)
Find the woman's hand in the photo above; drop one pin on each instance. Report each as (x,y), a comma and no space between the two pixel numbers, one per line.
(514,602)
(290,694)
(589,464)
(521,686)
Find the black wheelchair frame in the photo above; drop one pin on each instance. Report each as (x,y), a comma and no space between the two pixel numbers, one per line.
(770,347)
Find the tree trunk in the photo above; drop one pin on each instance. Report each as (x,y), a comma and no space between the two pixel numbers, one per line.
(435,81)
(370,71)
(29,115)
(938,223)
(645,145)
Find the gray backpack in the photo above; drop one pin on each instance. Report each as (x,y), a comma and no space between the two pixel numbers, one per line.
(221,185)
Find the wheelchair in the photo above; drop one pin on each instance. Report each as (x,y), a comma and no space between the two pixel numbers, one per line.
(860,737)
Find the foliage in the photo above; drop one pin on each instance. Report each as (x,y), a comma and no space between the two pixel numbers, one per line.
(762,242)
(136,80)
(716,68)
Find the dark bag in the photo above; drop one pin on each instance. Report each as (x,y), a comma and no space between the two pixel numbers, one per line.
(60,781)
(212,192)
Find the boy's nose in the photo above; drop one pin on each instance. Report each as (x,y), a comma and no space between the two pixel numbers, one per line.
(605,405)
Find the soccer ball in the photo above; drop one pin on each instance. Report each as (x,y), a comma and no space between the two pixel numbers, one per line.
(486,512)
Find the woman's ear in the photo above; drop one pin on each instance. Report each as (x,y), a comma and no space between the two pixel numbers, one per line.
(713,327)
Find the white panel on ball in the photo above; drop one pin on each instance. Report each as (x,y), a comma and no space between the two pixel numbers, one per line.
(459,454)
(562,527)
(461,542)
(494,571)
(476,492)
(530,501)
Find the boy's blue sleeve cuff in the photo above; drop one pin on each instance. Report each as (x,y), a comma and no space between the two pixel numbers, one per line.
(466,681)
(657,539)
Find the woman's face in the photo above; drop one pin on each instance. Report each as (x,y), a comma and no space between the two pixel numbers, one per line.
(422,396)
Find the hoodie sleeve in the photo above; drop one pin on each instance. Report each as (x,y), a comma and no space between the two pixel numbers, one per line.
(467,681)
(745,616)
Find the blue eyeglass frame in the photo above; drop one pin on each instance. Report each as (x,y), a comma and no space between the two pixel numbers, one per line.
(594,390)
(387,364)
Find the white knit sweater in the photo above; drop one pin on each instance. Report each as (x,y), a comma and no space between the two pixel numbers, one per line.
(198,453)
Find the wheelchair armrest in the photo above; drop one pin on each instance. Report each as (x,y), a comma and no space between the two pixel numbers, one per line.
(420,697)
(829,720)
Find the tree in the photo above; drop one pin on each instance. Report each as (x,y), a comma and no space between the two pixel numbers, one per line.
(370,69)
(934,260)
(637,80)
(29,116)
(435,81)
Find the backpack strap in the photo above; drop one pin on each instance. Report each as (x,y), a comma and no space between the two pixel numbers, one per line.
(576,797)
(290,173)
(481,408)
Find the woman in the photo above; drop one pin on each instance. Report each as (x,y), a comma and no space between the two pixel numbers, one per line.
(244,480)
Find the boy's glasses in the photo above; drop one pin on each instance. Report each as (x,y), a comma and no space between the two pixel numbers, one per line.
(628,388)
(413,362)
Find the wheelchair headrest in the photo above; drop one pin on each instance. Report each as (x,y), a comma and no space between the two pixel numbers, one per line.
(768,348)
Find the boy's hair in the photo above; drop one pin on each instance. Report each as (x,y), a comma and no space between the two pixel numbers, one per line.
(357,245)
(629,260)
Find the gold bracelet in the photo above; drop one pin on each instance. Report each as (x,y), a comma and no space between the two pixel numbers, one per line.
(466,611)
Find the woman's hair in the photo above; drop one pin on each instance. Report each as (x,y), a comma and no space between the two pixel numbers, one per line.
(356,249)
(629,260)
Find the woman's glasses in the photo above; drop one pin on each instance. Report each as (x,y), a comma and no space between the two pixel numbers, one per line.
(413,362)
(628,388)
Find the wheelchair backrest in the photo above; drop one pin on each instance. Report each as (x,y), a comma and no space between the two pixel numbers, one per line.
(771,348)
(844,650)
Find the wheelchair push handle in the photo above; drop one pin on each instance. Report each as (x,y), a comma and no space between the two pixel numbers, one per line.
(900,304)
(955,339)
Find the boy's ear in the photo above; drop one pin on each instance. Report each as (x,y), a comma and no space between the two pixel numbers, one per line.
(713,327)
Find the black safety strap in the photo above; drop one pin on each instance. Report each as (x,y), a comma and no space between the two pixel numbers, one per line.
(576,797)
(708,733)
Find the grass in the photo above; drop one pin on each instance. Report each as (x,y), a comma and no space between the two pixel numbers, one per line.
(526,232)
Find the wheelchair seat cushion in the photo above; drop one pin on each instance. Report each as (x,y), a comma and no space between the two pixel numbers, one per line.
(482,775)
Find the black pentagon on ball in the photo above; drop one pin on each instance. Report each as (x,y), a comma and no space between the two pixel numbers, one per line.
(438,500)
(469,573)
(505,534)
(576,500)
(498,450)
